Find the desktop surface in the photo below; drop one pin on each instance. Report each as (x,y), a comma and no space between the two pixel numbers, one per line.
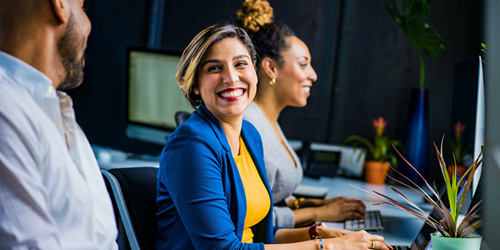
(400,227)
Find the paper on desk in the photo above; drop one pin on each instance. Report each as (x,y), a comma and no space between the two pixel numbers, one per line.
(336,225)
(310,191)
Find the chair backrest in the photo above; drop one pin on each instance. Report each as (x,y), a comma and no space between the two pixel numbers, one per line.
(180,117)
(134,191)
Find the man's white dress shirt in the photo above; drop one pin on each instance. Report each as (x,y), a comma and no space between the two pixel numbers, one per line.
(52,194)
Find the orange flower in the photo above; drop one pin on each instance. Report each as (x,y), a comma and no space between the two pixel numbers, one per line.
(379,125)
(459,128)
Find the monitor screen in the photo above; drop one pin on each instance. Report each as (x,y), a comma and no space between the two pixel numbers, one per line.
(153,95)
(468,108)
(330,157)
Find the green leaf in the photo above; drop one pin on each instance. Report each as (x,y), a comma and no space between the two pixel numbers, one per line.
(411,19)
(357,138)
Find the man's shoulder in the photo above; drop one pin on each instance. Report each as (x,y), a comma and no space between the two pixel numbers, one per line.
(13,98)
(18,110)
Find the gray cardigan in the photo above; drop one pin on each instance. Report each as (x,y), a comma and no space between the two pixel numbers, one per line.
(282,174)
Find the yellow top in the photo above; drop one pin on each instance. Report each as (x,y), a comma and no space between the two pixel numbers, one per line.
(258,200)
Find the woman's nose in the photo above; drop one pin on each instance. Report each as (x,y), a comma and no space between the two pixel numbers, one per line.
(230,76)
(313,75)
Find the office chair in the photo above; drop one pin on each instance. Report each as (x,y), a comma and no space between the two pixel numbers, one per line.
(133,192)
(181,116)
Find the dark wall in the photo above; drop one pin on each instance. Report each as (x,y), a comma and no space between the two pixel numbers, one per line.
(100,101)
(378,66)
(366,65)
(315,22)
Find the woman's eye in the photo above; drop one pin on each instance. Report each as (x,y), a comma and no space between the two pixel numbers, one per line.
(214,68)
(241,64)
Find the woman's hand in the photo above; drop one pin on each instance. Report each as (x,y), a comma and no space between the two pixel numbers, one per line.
(326,232)
(340,209)
(360,240)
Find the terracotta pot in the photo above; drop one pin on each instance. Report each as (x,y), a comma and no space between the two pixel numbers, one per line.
(460,170)
(375,172)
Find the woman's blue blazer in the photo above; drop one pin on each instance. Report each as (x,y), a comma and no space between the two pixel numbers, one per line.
(200,196)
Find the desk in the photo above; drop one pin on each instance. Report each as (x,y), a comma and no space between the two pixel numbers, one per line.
(400,227)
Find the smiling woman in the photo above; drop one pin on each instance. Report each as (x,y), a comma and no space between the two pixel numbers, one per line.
(213,191)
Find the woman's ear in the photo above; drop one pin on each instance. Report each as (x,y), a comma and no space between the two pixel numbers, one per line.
(61,10)
(270,67)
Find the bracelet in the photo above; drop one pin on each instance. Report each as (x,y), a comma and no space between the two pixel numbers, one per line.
(320,244)
(313,232)
(296,203)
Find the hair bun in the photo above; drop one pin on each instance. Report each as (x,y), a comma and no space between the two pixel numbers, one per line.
(255,14)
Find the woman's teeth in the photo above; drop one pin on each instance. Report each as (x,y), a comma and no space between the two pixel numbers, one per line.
(234,93)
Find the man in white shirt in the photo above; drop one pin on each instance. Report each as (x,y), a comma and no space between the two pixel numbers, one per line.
(52,195)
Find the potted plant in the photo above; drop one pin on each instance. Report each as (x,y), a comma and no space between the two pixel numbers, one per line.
(451,233)
(411,16)
(378,154)
(458,149)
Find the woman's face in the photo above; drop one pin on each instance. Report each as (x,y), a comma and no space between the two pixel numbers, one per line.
(296,75)
(227,81)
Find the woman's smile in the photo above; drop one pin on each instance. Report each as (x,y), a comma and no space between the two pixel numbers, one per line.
(231,94)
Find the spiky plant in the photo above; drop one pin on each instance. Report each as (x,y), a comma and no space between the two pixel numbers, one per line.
(448,226)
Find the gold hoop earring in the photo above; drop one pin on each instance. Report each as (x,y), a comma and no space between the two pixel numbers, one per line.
(272,82)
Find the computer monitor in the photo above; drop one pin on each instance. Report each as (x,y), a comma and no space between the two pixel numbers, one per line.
(468,107)
(153,95)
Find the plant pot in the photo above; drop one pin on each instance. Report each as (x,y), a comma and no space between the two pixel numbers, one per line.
(460,170)
(473,242)
(375,172)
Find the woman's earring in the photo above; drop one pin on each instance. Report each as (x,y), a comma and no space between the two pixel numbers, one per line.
(272,82)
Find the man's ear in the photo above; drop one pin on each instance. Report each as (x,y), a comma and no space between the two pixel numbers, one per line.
(61,10)
(269,66)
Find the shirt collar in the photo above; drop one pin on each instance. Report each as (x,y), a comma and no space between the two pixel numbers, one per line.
(38,85)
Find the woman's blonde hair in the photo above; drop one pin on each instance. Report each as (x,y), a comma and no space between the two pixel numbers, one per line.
(187,74)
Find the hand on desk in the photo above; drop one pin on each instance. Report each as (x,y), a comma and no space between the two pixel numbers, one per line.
(330,210)
(360,240)
(341,208)
(326,232)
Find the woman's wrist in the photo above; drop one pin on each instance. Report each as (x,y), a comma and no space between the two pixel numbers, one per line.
(317,213)
(320,231)
(297,203)
(320,244)
(316,230)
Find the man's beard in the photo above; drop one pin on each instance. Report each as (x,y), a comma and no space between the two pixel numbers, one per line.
(68,47)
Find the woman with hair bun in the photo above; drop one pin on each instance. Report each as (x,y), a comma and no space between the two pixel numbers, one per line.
(285,77)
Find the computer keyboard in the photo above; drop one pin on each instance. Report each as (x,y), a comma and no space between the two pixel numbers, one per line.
(400,248)
(372,222)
